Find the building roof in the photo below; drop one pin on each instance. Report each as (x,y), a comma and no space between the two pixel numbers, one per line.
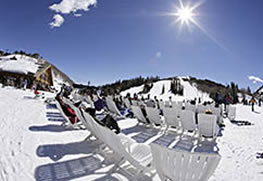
(21,64)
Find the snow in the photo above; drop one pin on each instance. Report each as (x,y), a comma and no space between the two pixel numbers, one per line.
(58,80)
(190,91)
(132,90)
(34,145)
(23,64)
(238,147)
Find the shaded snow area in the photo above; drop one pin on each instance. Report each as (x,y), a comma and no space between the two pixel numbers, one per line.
(18,64)
(34,145)
(190,92)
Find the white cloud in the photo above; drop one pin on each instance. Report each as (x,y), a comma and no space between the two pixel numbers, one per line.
(255,79)
(69,6)
(72,6)
(77,15)
(58,20)
(158,55)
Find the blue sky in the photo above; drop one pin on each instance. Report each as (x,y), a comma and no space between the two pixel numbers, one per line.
(121,39)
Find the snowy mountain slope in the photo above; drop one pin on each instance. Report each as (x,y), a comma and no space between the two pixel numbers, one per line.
(190,91)
(19,64)
(132,91)
(60,78)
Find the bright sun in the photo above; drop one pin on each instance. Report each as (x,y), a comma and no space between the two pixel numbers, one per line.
(184,15)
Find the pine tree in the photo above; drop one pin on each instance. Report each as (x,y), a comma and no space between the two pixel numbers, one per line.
(249,90)
(234,91)
(163,90)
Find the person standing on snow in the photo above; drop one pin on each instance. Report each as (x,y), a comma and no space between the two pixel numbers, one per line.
(25,84)
(252,102)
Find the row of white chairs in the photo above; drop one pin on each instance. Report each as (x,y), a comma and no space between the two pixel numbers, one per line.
(169,163)
(179,106)
(173,117)
(180,119)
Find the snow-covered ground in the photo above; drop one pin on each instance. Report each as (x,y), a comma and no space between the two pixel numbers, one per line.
(238,147)
(190,92)
(35,147)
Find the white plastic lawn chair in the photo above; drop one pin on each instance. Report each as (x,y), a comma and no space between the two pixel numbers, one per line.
(124,148)
(216,111)
(153,115)
(161,104)
(202,108)
(88,99)
(207,125)
(112,106)
(188,120)
(127,103)
(138,114)
(190,107)
(221,107)
(68,123)
(177,165)
(137,154)
(168,104)
(227,108)
(231,113)
(177,105)
(171,117)
(135,103)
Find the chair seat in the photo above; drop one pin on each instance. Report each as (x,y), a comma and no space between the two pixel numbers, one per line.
(141,153)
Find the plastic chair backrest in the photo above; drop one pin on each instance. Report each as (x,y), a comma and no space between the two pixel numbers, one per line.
(177,165)
(207,125)
(153,115)
(188,120)
(171,116)
(190,107)
(138,114)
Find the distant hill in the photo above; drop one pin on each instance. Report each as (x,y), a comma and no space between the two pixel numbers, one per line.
(176,87)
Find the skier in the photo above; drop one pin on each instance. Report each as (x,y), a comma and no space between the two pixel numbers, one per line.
(259,102)
(252,102)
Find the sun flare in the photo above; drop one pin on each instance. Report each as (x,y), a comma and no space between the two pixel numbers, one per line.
(185,15)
